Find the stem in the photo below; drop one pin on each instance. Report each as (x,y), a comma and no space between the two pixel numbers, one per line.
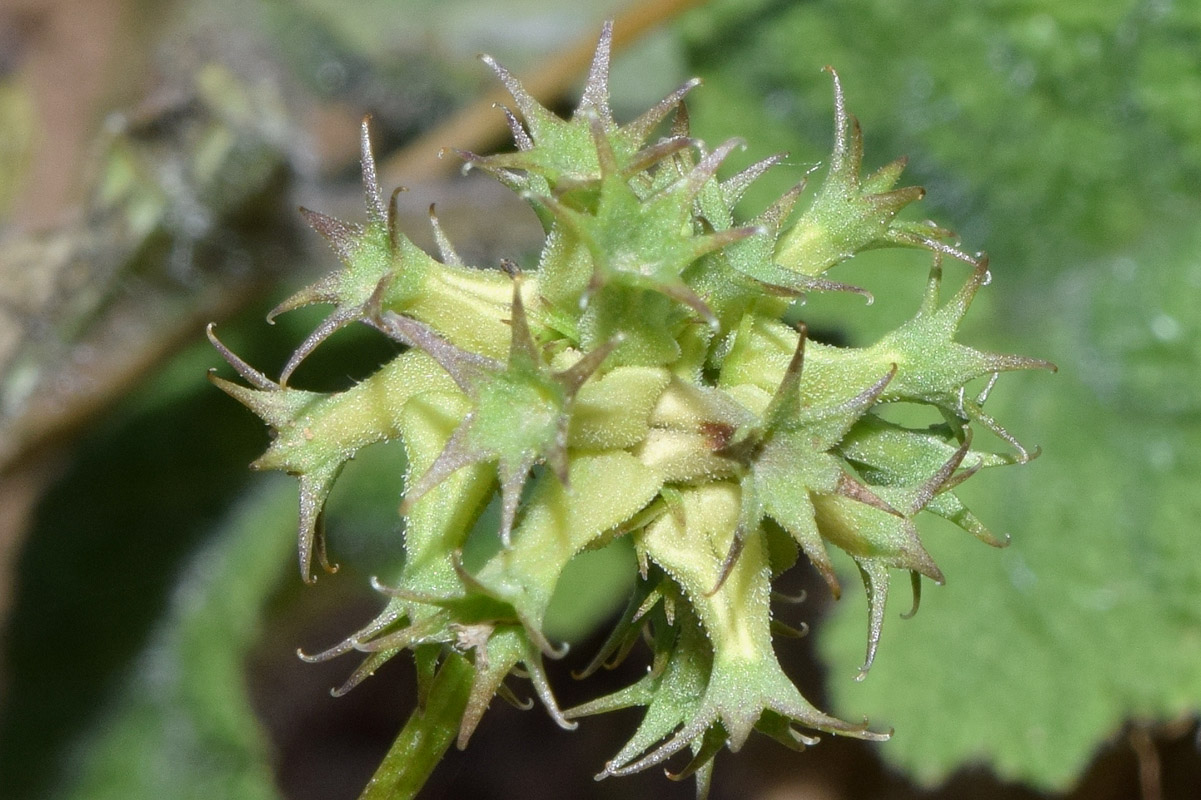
(425,737)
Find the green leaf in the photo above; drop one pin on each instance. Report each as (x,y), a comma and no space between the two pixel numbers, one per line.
(1090,617)
(1063,143)
(183,726)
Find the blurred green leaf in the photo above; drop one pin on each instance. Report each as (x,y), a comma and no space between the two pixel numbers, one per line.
(1031,658)
(1066,144)
(183,726)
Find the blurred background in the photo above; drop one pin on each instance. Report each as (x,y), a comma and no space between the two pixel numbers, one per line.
(152,156)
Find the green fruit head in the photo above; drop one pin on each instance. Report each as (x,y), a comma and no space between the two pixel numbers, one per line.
(644,362)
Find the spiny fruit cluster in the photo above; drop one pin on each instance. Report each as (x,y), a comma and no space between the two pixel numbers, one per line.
(645,364)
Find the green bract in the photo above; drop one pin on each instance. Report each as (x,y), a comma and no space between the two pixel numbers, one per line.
(645,362)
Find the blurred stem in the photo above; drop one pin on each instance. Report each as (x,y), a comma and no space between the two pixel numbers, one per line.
(426,736)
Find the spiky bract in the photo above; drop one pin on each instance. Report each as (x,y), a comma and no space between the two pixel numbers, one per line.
(645,363)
